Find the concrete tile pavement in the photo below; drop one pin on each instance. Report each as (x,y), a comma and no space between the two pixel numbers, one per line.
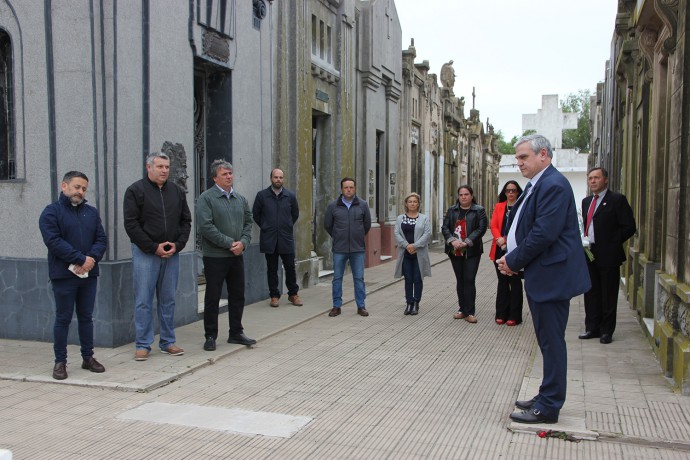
(386,386)
(33,361)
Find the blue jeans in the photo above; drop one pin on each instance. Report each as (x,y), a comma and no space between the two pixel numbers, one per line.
(152,274)
(413,280)
(70,293)
(357,266)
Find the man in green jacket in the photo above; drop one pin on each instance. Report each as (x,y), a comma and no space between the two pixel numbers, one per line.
(224,221)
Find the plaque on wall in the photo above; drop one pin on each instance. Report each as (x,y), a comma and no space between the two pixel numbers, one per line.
(216,46)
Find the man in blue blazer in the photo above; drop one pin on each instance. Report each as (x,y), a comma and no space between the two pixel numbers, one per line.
(544,241)
(609,222)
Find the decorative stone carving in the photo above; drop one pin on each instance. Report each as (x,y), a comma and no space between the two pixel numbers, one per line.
(648,40)
(668,13)
(448,75)
(414,135)
(671,313)
(178,163)
(684,320)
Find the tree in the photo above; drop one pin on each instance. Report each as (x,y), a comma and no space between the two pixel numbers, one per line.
(504,147)
(579,103)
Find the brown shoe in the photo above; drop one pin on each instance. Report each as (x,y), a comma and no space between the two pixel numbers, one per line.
(60,371)
(142,354)
(362,312)
(459,315)
(92,365)
(471,319)
(295,300)
(335,311)
(275,301)
(173,350)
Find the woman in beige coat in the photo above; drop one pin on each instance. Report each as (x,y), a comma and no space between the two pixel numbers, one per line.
(412,235)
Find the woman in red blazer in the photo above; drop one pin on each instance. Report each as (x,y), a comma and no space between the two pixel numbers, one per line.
(509,290)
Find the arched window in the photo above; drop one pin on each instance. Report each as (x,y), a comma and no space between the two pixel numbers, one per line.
(8,167)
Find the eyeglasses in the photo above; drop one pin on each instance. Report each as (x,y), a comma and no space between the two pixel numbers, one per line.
(511,190)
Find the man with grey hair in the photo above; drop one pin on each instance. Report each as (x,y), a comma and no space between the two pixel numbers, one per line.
(158,222)
(224,222)
(544,241)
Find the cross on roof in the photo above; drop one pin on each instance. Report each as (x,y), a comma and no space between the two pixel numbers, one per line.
(550,120)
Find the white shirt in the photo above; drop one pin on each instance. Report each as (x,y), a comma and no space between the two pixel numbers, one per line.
(590,230)
(512,243)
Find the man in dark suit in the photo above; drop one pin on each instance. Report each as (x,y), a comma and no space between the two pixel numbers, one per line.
(544,241)
(609,222)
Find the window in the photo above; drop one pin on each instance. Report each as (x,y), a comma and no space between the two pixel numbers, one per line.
(321,40)
(314,35)
(8,167)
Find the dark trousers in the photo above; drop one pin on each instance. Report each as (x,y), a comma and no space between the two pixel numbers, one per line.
(465,274)
(413,280)
(508,297)
(217,270)
(70,293)
(550,320)
(601,302)
(272,273)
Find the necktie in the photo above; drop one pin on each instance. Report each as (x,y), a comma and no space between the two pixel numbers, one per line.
(517,204)
(590,213)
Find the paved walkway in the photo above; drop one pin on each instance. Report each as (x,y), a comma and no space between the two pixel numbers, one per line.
(386,386)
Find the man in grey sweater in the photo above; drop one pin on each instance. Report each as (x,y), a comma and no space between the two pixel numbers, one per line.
(224,221)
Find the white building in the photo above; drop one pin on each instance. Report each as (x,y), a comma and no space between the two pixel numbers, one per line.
(550,121)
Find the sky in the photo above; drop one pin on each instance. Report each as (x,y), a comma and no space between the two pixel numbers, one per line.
(512,51)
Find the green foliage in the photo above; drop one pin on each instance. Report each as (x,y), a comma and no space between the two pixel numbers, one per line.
(504,147)
(578,138)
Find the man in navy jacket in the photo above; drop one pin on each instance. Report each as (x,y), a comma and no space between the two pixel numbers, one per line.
(76,242)
(544,241)
(275,211)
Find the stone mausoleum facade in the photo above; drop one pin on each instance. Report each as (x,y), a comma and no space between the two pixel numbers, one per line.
(318,88)
(641,127)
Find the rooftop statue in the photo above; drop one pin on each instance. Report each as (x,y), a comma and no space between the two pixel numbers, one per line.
(448,75)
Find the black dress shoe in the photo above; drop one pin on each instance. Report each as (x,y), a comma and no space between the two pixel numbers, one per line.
(532,416)
(92,365)
(60,371)
(242,340)
(606,338)
(408,309)
(210,344)
(589,335)
(526,405)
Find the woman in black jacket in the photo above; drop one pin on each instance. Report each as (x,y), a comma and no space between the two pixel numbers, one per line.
(463,227)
